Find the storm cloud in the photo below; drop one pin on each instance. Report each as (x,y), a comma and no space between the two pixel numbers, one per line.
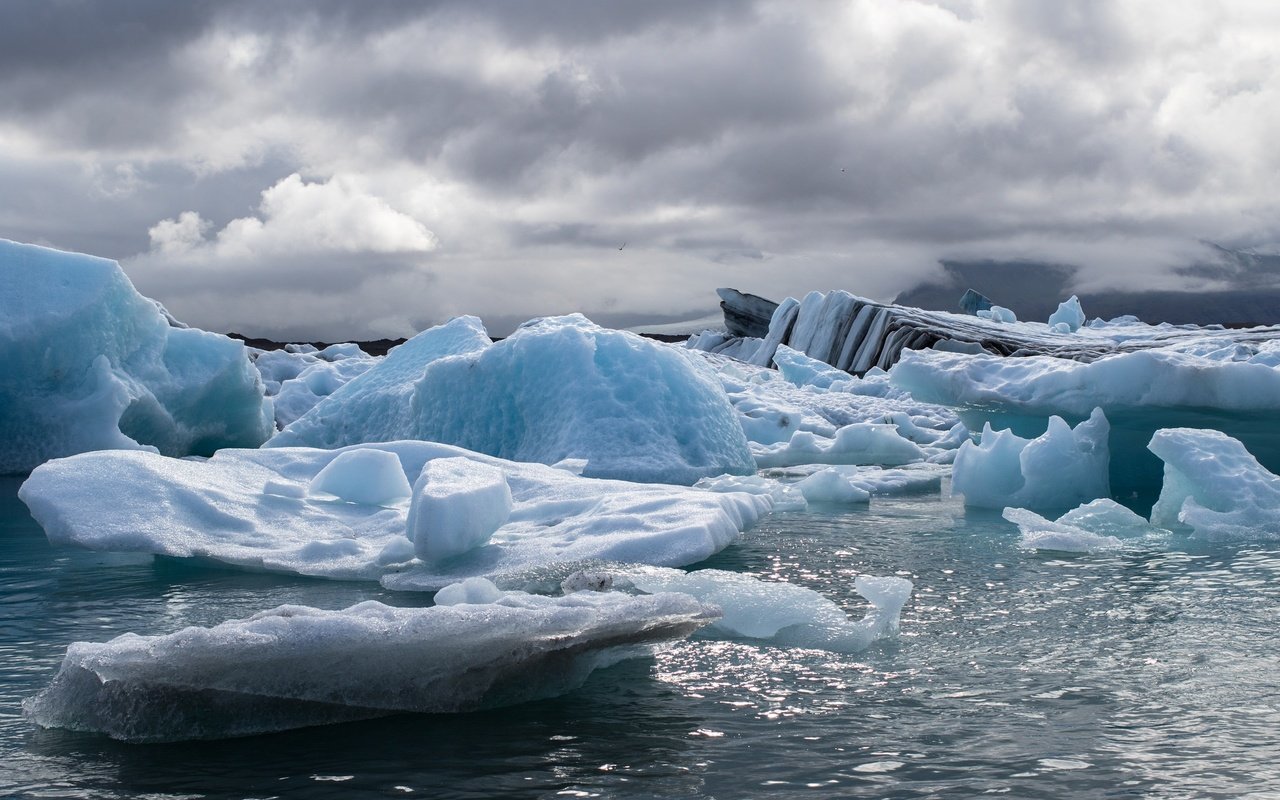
(334,170)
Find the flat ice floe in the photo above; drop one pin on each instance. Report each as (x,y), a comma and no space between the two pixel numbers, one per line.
(296,666)
(781,613)
(91,364)
(259,509)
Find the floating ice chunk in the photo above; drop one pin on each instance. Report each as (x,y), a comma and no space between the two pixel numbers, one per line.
(457,506)
(1039,533)
(91,364)
(801,370)
(783,496)
(296,666)
(217,510)
(363,475)
(1214,486)
(1069,313)
(1102,524)
(376,405)
(997,314)
(857,443)
(1059,469)
(474,591)
(830,486)
(783,613)
(563,387)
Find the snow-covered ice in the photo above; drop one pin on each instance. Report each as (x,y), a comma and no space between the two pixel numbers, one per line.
(781,613)
(91,364)
(297,379)
(857,443)
(1059,469)
(251,509)
(296,666)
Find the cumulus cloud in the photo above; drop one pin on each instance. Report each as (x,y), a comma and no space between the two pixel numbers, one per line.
(775,146)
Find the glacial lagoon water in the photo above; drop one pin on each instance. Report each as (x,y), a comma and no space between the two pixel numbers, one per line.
(1142,673)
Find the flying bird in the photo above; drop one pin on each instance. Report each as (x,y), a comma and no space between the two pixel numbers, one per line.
(624,244)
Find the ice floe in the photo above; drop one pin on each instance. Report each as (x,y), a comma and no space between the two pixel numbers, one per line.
(91,364)
(297,666)
(1102,524)
(256,509)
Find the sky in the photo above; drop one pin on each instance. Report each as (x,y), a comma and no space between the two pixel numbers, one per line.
(333,170)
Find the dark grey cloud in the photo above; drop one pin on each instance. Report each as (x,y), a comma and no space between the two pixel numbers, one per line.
(490,157)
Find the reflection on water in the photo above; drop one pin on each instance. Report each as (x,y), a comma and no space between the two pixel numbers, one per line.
(1138,673)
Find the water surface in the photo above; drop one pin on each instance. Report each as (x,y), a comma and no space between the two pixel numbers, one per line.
(1150,672)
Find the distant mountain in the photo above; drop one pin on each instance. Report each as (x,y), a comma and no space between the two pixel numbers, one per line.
(1033,290)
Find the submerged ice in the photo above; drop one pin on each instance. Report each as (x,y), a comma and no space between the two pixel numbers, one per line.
(296,666)
(91,364)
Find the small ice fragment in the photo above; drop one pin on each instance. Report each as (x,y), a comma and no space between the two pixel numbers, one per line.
(368,476)
(457,505)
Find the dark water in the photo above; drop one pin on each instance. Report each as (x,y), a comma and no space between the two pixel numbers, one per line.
(1149,673)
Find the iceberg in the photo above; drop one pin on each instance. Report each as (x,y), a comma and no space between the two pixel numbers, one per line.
(91,364)
(1209,382)
(296,380)
(296,666)
(376,405)
(1059,469)
(255,509)
(780,613)
(1069,313)
(1215,487)
(563,387)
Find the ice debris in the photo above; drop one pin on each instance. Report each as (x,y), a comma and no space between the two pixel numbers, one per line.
(251,509)
(781,613)
(1102,524)
(296,666)
(1059,469)
(91,364)
(856,443)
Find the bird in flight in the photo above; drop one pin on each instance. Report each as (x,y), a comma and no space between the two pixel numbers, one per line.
(624,244)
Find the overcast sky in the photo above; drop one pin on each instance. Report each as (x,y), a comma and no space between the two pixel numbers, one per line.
(354,170)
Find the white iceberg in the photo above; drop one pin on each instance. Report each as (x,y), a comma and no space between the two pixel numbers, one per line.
(1059,469)
(376,405)
(91,364)
(296,666)
(1100,525)
(297,379)
(1215,487)
(781,613)
(252,509)
(1069,313)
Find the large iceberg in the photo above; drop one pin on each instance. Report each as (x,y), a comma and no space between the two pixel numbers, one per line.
(91,364)
(1215,487)
(376,406)
(270,509)
(300,376)
(558,388)
(1061,468)
(296,666)
(563,387)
